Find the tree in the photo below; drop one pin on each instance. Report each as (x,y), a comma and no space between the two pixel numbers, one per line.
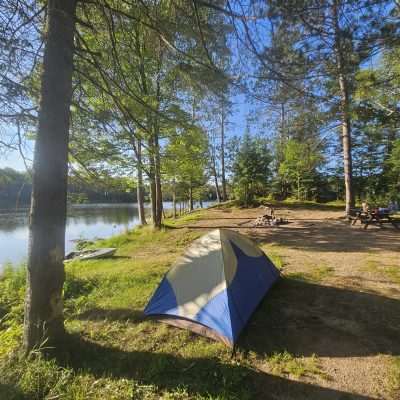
(394,163)
(251,172)
(328,42)
(299,168)
(44,306)
(185,162)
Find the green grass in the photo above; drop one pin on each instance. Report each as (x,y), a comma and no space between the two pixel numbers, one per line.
(112,352)
(316,273)
(185,219)
(12,293)
(275,254)
(394,377)
(287,364)
(390,271)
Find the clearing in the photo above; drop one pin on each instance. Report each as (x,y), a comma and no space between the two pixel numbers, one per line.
(329,329)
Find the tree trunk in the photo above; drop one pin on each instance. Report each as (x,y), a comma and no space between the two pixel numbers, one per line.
(44,320)
(346,140)
(223,181)
(345,111)
(298,187)
(159,203)
(174,198)
(190,198)
(152,192)
(214,173)
(152,180)
(140,188)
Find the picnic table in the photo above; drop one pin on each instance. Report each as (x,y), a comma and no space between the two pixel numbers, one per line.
(374,216)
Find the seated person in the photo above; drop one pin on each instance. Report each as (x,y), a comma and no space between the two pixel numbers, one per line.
(365,207)
(393,206)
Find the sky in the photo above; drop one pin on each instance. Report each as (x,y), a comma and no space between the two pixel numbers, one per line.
(12,160)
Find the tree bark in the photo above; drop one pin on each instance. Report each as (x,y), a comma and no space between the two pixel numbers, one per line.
(345,110)
(159,200)
(174,197)
(214,173)
(190,197)
(223,180)
(151,175)
(44,321)
(140,188)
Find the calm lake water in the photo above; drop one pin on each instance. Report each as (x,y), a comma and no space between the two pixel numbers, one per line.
(86,221)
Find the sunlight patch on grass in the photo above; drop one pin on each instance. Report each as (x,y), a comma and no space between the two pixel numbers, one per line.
(184,219)
(390,271)
(287,364)
(314,274)
(275,254)
(394,376)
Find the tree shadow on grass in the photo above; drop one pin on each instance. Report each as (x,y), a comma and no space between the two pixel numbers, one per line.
(305,318)
(10,392)
(118,314)
(199,376)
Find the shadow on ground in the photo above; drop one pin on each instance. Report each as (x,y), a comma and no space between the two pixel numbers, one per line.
(332,236)
(9,392)
(119,314)
(199,376)
(306,319)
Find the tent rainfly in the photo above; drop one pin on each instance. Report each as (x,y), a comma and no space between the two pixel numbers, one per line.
(215,287)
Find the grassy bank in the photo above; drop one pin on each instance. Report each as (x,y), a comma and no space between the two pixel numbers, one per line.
(113,353)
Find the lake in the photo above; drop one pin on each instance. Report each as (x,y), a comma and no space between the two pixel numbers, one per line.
(85,221)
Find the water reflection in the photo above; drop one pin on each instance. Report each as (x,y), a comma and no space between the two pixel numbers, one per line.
(88,221)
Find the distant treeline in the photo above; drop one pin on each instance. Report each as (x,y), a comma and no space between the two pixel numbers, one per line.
(16,188)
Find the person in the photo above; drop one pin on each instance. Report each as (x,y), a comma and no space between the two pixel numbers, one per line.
(365,207)
(393,206)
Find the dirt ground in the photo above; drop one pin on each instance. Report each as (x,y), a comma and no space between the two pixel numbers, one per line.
(339,301)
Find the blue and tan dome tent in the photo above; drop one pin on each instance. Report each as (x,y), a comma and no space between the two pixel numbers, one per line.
(215,287)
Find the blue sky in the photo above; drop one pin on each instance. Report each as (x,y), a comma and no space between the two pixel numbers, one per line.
(12,160)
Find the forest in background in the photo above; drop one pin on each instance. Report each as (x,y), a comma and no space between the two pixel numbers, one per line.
(155,92)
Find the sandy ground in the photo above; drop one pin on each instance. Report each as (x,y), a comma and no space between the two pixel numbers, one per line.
(340,300)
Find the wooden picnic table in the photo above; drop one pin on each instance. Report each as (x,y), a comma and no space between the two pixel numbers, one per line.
(374,216)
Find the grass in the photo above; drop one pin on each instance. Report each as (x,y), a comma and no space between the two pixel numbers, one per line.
(394,378)
(316,273)
(185,219)
(111,352)
(12,293)
(285,363)
(275,254)
(390,271)
(114,353)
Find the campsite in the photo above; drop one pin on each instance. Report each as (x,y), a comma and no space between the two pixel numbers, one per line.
(199,199)
(328,330)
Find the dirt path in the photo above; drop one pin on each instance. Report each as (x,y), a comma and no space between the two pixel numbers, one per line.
(339,301)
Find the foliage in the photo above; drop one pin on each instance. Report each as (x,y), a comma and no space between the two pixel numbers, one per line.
(185,161)
(299,168)
(251,169)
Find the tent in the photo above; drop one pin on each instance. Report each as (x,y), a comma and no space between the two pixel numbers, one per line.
(215,287)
